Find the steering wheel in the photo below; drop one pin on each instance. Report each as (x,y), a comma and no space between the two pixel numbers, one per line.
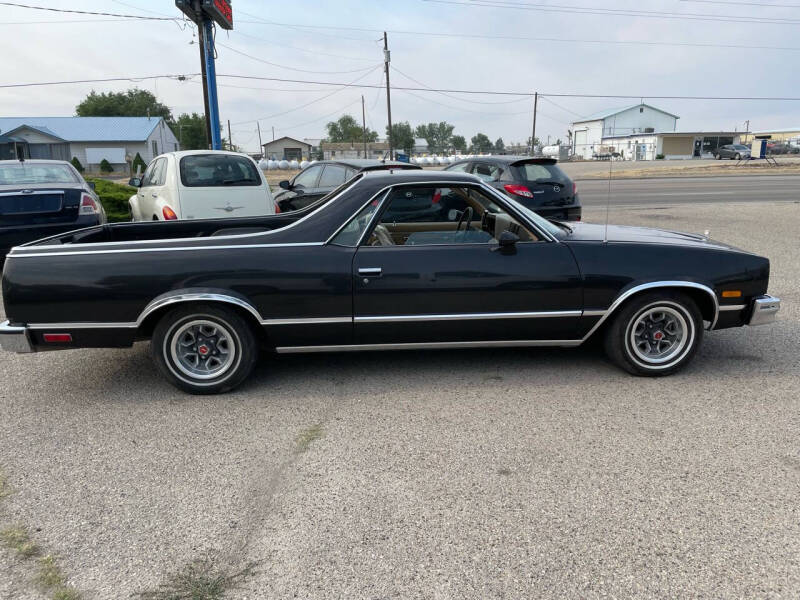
(465,219)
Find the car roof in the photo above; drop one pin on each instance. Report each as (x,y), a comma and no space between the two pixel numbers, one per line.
(182,153)
(366,163)
(509,159)
(35,161)
(395,176)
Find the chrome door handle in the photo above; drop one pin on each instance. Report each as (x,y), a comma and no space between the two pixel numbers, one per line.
(154,195)
(374,271)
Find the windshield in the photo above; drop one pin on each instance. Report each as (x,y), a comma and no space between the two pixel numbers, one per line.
(24,173)
(218,170)
(541,222)
(537,172)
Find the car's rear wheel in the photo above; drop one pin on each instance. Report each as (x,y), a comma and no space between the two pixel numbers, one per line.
(204,349)
(717,156)
(655,334)
(738,156)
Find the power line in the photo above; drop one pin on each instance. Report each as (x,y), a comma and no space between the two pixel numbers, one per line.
(180,77)
(745,3)
(546,99)
(298,49)
(455,97)
(299,70)
(508,4)
(86,12)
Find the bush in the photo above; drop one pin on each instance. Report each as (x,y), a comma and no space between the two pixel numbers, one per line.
(138,165)
(659,157)
(114,198)
(77,164)
(105,166)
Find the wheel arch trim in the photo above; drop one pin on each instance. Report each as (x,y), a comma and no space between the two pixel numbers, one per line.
(182,296)
(654,285)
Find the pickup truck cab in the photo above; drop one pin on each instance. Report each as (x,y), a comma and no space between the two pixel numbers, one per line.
(200,184)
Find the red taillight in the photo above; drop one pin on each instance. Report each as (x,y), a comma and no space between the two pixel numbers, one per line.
(277,209)
(57,337)
(437,196)
(88,205)
(169,214)
(518,190)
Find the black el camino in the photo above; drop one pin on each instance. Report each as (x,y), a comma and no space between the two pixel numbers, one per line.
(390,260)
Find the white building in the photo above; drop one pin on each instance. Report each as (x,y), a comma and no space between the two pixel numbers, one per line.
(89,139)
(589,132)
(672,145)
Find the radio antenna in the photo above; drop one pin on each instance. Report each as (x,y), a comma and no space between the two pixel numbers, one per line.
(610,171)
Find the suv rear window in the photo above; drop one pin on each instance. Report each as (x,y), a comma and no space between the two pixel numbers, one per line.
(538,172)
(218,170)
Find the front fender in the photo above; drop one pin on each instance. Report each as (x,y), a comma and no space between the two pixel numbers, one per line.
(133,203)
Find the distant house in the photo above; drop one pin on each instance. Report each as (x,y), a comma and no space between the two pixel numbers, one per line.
(286,148)
(89,139)
(334,150)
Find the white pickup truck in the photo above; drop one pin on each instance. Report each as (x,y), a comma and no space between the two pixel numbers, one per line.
(200,184)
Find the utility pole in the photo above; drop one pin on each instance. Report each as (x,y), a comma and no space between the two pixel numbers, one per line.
(386,59)
(533,135)
(260,145)
(364,125)
(273,133)
(205,89)
(207,31)
(230,139)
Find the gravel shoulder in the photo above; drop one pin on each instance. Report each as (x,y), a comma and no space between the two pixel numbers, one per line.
(473,474)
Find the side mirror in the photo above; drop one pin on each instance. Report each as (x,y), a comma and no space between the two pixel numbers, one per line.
(508,239)
(285,184)
(135,182)
(91,185)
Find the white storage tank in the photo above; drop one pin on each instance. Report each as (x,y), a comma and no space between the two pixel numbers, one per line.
(283,165)
(263,165)
(551,151)
(303,164)
(294,164)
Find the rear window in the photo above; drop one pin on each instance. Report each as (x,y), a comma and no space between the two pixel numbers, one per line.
(30,173)
(537,172)
(218,170)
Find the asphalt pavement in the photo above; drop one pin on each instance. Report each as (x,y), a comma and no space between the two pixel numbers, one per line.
(689,190)
(519,473)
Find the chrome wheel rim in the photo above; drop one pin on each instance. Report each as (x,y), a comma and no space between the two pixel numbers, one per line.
(203,349)
(659,334)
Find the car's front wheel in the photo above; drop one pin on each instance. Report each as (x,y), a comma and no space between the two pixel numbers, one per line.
(655,334)
(717,156)
(738,156)
(204,349)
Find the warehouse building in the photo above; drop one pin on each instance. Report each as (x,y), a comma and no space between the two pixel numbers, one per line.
(89,139)
(790,135)
(676,145)
(287,148)
(334,150)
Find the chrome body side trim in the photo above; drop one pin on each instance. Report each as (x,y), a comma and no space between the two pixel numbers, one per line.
(82,325)
(656,285)
(161,249)
(468,316)
(14,339)
(765,310)
(309,321)
(729,307)
(428,346)
(196,297)
(594,313)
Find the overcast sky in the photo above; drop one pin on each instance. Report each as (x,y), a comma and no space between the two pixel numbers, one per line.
(574,62)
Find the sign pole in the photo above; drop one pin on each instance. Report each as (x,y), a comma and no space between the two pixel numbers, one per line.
(211,83)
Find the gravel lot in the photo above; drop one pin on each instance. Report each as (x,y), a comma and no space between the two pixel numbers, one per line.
(471,474)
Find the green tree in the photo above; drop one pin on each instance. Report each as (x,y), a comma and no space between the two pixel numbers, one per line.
(105,166)
(481,143)
(438,135)
(138,165)
(132,103)
(499,146)
(459,143)
(190,129)
(347,129)
(77,164)
(402,136)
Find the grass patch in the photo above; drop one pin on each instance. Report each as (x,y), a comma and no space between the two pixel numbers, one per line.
(201,579)
(308,437)
(50,577)
(18,540)
(5,489)
(114,198)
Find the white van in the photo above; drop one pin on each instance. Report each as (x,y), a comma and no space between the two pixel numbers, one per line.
(200,184)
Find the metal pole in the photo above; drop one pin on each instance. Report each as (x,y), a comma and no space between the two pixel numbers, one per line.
(230,138)
(386,59)
(533,134)
(273,133)
(260,145)
(202,47)
(364,125)
(211,83)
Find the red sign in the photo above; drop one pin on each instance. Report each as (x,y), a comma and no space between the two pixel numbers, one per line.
(220,11)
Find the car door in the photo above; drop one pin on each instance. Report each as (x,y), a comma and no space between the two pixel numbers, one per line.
(148,192)
(432,281)
(333,175)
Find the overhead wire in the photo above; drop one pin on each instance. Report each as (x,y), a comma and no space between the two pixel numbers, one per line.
(299,70)
(87,12)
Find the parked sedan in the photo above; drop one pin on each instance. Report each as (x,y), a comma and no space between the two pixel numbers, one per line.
(536,183)
(39,198)
(346,275)
(733,151)
(321,178)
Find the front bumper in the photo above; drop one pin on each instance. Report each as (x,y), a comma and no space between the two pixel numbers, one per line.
(14,339)
(765,309)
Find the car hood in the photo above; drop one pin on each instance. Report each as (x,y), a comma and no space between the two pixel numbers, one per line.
(589,232)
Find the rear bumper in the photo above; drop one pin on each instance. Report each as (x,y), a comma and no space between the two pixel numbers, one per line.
(765,309)
(15,339)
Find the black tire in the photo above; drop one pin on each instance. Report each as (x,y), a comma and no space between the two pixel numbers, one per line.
(738,156)
(224,358)
(717,156)
(636,327)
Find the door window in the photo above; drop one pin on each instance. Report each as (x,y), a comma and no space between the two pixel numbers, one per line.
(421,216)
(460,168)
(487,172)
(147,178)
(308,178)
(352,232)
(160,172)
(333,176)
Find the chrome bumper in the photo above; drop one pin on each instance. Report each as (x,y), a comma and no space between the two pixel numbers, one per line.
(14,339)
(765,308)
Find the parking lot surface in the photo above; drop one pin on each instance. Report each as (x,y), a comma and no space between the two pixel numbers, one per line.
(471,474)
